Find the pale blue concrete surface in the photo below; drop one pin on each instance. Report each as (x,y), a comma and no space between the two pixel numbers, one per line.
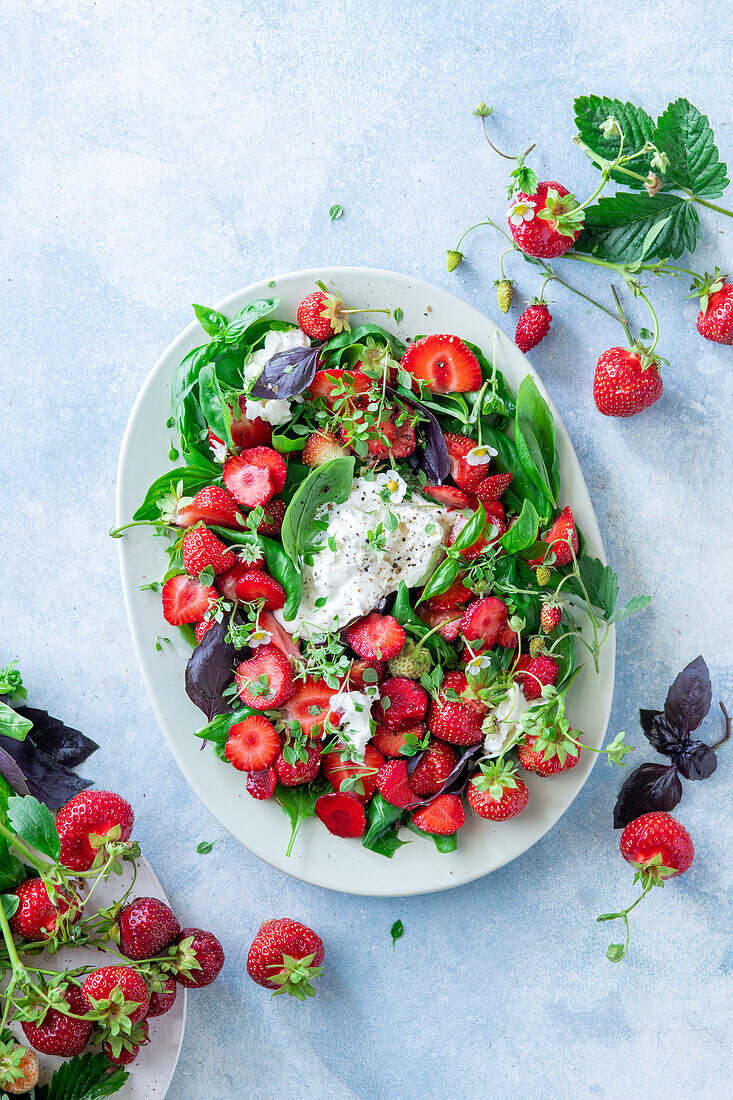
(158,154)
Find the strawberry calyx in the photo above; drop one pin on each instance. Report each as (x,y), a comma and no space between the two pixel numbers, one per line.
(334,310)
(703,286)
(495,777)
(563,213)
(294,976)
(652,872)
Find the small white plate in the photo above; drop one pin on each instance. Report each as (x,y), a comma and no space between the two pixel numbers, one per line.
(152,1071)
(320,858)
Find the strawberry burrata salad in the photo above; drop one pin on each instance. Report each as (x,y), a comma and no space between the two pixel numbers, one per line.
(370,554)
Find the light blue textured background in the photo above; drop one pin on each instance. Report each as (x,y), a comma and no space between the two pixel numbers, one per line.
(159,154)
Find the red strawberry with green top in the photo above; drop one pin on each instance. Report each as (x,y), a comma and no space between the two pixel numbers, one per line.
(125,983)
(391,742)
(444,364)
(433,769)
(286,956)
(252,744)
(272,521)
(449,496)
(533,325)
(484,621)
(376,636)
(393,783)
(162,1001)
(185,600)
(496,792)
(491,488)
(624,385)
(547,755)
(323,314)
(265,681)
(58,1034)
(211,505)
(37,917)
(465,474)
(342,813)
(255,586)
(550,617)
(657,846)
(146,926)
(540,672)
(454,716)
(715,319)
(203,550)
(124,1049)
(309,704)
(337,770)
(261,784)
(402,703)
(202,947)
(536,221)
(322,447)
(442,817)
(88,818)
(302,771)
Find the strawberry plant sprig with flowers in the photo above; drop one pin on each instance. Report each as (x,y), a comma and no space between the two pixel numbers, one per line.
(669,168)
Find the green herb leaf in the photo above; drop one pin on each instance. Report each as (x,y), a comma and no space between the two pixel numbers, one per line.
(10,903)
(638,127)
(522,487)
(534,436)
(34,823)
(441,579)
(211,322)
(397,315)
(335,212)
(617,227)
(11,681)
(13,724)
(215,409)
(243,322)
(328,483)
(85,1077)
(205,846)
(636,603)
(189,478)
(524,532)
(694,163)
(299,803)
(442,651)
(470,532)
(283,569)
(600,582)
(396,932)
(381,835)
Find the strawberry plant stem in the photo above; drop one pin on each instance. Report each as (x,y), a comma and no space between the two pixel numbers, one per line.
(506,156)
(25,850)
(624,322)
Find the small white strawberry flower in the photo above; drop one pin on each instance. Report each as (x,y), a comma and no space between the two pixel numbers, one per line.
(610,127)
(477,663)
(481,456)
(391,486)
(521,210)
(258,637)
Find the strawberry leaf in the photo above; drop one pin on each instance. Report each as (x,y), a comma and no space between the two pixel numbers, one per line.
(694,163)
(638,127)
(617,228)
(34,823)
(85,1077)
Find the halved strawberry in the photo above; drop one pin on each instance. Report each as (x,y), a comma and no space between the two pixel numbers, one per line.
(509,638)
(272,523)
(248,432)
(393,783)
(463,473)
(337,770)
(265,681)
(376,635)
(302,771)
(491,488)
(453,498)
(484,621)
(443,816)
(256,585)
(391,742)
(402,703)
(185,600)
(322,447)
(494,528)
(261,784)
(452,597)
(433,768)
(210,505)
(202,628)
(336,384)
(447,621)
(252,744)
(444,364)
(342,813)
(203,550)
(355,674)
(268,459)
(248,483)
(280,638)
(390,438)
(457,721)
(227,582)
(562,535)
(309,705)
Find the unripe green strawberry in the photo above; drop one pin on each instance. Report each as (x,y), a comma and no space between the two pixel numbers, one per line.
(504,294)
(411,662)
(543,575)
(536,646)
(454,259)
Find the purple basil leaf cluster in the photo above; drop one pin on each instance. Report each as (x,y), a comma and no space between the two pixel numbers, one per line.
(287,374)
(431,453)
(658,786)
(209,671)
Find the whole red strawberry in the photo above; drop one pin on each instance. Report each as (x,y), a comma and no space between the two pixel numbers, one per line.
(203,948)
(203,550)
(323,314)
(285,956)
(623,385)
(547,757)
(163,1001)
(715,319)
(533,325)
(124,1049)
(657,846)
(540,671)
(496,792)
(37,917)
(91,814)
(147,926)
(105,989)
(536,221)
(58,1034)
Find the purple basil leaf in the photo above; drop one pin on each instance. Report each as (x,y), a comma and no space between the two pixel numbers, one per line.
(431,452)
(456,779)
(689,698)
(650,787)
(287,374)
(666,739)
(47,780)
(62,743)
(209,671)
(696,760)
(13,773)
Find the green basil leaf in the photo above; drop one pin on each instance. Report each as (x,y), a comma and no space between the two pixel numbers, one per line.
(299,803)
(444,844)
(239,327)
(283,569)
(617,227)
(684,134)
(471,531)
(504,401)
(441,579)
(443,652)
(637,125)
(191,478)
(334,349)
(524,532)
(534,436)
(328,483)
(13,724)
(381,835)
(211,322)
(512,572)
(285,445)
(34,823)
(215,409)
(522,487)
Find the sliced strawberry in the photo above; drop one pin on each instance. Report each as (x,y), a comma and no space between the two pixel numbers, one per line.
(391,742)
(443,816)
(249,484)
(390,438)
(322,447)
(337,770)
(484,621)
(185,600)
(336,385)
(452,597)
(279,635)
(227,582)
(447,621)
(309,705)
(493,529)
(202,627)
(444,364)
(342,813)
(355,675)
(376,635)
(402,703)
(562,535)
(265,681)
(457,721)
(252,744)
(393,783)
(210,505)
(302,771)
(453,498)
(433,768)
(491,488)
(248,432)
(267,459)
(463,473)
(272,522)
(261,784)
(203,550)
(256,585)
(509,638)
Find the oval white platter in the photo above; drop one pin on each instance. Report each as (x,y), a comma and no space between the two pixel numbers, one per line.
(152,1071)
(318,857)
